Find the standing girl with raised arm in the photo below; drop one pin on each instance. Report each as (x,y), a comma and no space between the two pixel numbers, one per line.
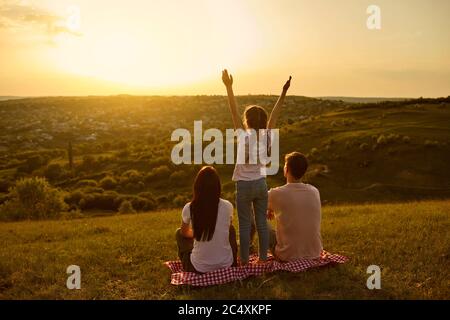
(251,187)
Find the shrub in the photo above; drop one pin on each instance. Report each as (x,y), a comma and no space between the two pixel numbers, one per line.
(53,171)
(34,163)
(158,161)
(430,143)
(381,140)
(88,162)
(74,197)
(86,183)
(130,174)
(140,185)
(143,204)
(108,183)
(180,200)
(5,185)
(348,145)
(392,137)
(147,195)
(82,204)
(314,152)
(121,198)
(364,146)
(178,177)
(3,198)
(161,172)
(162,200)
(123,154)
(92,190)
(33,198)
(100,201)
(126,207)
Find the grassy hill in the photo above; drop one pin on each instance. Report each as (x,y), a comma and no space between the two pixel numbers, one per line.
(377,165)
(358,152)
(363,99)
(121,257)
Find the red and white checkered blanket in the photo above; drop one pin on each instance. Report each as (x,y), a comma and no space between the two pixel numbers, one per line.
(180,277)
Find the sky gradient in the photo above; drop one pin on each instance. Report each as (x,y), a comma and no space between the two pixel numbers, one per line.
(85,47)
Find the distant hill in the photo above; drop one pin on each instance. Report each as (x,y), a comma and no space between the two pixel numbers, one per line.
(3,98)
(358,152)
(363,99)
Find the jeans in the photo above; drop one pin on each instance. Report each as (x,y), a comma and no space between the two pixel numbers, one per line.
(252,194)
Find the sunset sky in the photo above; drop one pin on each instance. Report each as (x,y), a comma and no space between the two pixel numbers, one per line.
(85,47)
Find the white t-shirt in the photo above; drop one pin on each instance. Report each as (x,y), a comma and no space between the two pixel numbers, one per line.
(215,254)
(252,169)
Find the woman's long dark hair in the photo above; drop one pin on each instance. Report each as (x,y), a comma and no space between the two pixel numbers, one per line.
(205,203)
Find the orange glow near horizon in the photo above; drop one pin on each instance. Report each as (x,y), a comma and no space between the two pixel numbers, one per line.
(81,47)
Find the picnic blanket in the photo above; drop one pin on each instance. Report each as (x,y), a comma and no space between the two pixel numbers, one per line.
(180,277)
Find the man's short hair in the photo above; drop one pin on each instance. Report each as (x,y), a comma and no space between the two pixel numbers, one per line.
(296,163)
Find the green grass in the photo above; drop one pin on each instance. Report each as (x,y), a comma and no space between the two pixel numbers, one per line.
(121,257)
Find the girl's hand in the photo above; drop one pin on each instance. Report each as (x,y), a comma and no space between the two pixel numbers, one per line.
(227,79)
(270,214)
(287,84)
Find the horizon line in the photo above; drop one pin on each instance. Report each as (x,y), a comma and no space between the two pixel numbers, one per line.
(330,98)
(212,95)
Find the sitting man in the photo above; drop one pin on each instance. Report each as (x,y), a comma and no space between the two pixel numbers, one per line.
(297,211)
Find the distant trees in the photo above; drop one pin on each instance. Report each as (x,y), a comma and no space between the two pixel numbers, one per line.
(88,163)
(161,171)
(108,183)
(86,183)
(53,171)
(178,177)
(32,163)
(70,156)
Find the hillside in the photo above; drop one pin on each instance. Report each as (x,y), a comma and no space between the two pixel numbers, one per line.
(363,99)
(358,152)
(121,257)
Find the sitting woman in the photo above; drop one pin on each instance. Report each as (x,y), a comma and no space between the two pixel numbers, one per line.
(207,239)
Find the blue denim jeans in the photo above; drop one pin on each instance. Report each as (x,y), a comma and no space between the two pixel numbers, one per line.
(252,195)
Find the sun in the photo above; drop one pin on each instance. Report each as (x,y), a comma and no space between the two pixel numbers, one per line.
(144,54)
(73,21)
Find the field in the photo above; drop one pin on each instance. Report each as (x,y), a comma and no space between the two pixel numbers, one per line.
(120,147)
(121,257)
(381,168)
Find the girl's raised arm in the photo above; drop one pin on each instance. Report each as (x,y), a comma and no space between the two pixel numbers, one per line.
(228,81)
(277,108)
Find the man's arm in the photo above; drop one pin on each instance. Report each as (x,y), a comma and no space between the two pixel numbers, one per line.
(228,81)
(277,108)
